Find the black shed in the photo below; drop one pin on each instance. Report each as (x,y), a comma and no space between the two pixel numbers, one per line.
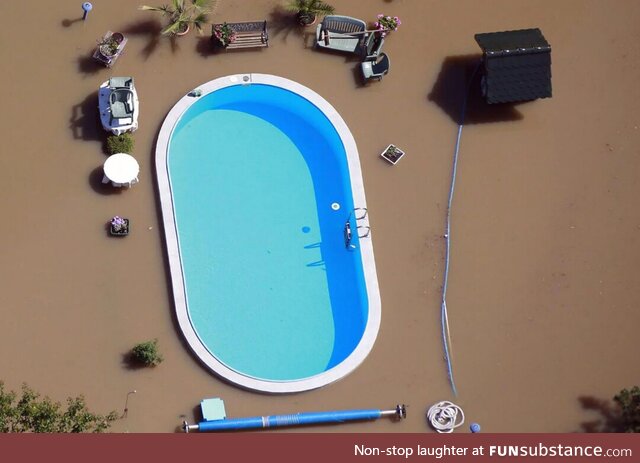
(517,65)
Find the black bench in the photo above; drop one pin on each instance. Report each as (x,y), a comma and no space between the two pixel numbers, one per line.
(248,34)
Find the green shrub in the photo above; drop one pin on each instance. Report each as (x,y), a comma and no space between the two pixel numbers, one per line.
(629,402)
(122,143)
(31,413)
(147,353)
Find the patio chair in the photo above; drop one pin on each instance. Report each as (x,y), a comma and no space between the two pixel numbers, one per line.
(376,69)
(373,46)
(121,107)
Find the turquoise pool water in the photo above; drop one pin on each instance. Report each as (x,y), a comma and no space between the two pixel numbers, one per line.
(272,291)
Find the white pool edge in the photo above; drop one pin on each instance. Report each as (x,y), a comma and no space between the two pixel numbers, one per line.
(372,327)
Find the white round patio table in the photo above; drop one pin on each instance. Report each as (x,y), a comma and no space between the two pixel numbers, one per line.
(121,169)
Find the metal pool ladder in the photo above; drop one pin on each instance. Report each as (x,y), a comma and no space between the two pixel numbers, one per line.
(362,229)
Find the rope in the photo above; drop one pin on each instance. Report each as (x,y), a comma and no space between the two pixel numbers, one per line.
(446,337)
(445,416)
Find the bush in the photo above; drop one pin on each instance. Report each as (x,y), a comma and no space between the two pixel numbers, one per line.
(30,413)
(122,143)
(629,402)
(147,353)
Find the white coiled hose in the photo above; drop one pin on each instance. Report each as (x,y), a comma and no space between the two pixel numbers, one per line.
(445,416)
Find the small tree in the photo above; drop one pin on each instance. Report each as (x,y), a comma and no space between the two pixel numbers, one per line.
(181,14)
(629,402)
(30,413)
(122,143)
(147,353)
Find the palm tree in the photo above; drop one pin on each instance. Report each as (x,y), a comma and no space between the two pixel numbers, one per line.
(308,10)
(182,14)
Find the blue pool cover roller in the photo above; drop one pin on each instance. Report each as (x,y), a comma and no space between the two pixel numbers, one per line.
(297,419)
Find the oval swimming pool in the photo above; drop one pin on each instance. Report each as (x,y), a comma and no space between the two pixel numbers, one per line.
(259,177)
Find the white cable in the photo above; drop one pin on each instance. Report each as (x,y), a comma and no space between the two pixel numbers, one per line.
(445,416)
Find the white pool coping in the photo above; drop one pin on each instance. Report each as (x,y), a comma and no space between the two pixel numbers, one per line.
(173,248)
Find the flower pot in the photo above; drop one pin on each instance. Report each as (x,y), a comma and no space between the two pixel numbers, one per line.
(392,154)
(221,44)
(185,30)
(117,37)
(306,19)
(123,231)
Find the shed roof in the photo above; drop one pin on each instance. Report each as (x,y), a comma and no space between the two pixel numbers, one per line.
(516,42)
(517,65)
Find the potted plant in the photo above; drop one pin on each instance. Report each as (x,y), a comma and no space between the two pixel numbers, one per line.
(224,34)
(109,44)
(119,226)
(182,14)
(307,11)
(387,23)
(392,154)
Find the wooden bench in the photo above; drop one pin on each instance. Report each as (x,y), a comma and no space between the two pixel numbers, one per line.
(249,34)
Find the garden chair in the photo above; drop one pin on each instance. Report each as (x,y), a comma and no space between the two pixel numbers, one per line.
(376,69)
(373,46)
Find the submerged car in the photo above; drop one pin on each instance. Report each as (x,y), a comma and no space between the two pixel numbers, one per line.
(118,104)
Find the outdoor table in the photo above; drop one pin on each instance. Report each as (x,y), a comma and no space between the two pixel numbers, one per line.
(121,169)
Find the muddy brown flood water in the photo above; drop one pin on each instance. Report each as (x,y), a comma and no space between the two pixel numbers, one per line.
(544,290)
